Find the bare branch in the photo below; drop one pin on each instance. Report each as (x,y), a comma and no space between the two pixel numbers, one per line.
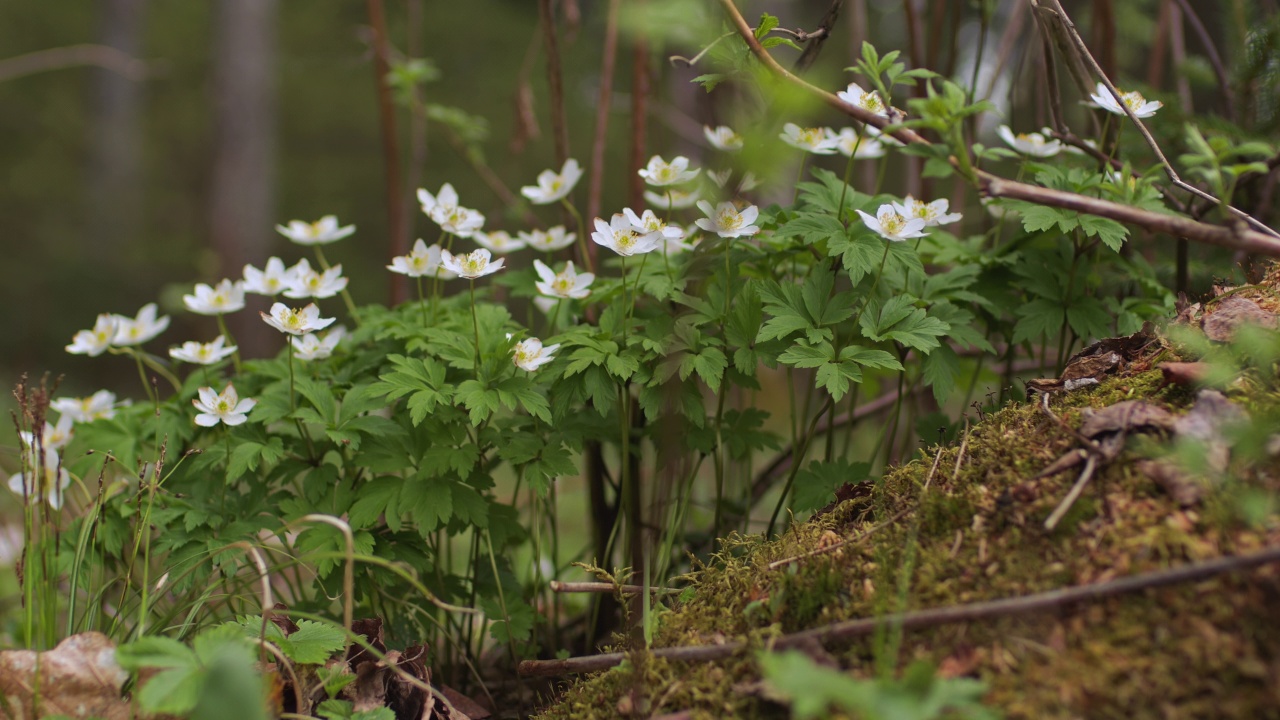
(59,58)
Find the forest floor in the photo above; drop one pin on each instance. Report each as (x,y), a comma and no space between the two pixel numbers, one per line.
(1154,593)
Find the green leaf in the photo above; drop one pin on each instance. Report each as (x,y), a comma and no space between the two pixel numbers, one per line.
(313,642)
(420,379)
(898,319)
(377,497)
(429,502)
(515,625)
(1038,318)
(941,369)
(805,356)
(1111,233)
(816,485)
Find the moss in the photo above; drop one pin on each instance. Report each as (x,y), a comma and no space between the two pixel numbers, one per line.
(1206,650)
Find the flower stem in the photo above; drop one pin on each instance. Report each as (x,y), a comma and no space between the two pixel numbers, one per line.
(422,303)
(142,375)
(582,234)
(475,325)
(848,170)
(346,296)
(230,340)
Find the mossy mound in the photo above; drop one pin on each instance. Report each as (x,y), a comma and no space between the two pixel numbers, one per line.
(1208,649)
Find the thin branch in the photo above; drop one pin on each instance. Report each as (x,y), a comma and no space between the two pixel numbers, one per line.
(1215,60)
(60,58)
(818,37)
(855,540)
(969,612)
(608,63)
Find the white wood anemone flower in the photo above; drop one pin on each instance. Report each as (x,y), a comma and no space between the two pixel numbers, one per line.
(868,100)
(54,437)
(139,329)
(673,199)
(296,321)
(815,139)
(307,283)
(566,284)
(100,405)
(94,342)
(660,173)
(556,238)
(198,353)
(321,232)
(722,138)
(472,265)
(892,225)
(529,354)
(270,281)
(499,241)
(422,261)
(728,221)
(625,239)
(47,479)
(553,186)
(847,142)
(226,297)
(460,221)
(1035,144)
(1138,105)
(313,347)
(932,213)
(225,407)
(447,198)
(650,222)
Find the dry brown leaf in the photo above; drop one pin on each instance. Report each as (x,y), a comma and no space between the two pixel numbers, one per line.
(79,678)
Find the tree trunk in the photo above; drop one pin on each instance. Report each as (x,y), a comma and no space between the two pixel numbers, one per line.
(241,193)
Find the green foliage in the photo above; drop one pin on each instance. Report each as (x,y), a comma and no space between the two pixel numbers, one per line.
(920,695)
(198,680)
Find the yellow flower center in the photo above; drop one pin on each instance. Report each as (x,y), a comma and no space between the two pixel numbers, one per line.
(892,223)
(729,220)
(223,407)
(871,101)
(562,284)
(811,136)
(1133,100)
(473,264)
(624,239)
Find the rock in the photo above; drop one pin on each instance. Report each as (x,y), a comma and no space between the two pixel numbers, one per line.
(79,678)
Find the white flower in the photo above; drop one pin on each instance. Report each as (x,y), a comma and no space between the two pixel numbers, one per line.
(934,213)
(55,479)
(447,197)
(321,232)
(271,281)
(620,236)
(814,140)
(672,199)
(553,186)
(460,221)
(422,261)
(546,305)
(472,265)
(203,353)
(868,100)
(312,347)
(87,409)
(529,354)
(137,330)
(892,225)
(307,283)
(847,140)
(548,241)
(225,407)
(566,284)
(1037,144)
(748,182)
(499,241)
(727,221)
(443,209)
(54,437)
(96,341)
(660,173)
(1138,105)
(723,138)
(295,321)
(649,222)
(227,297)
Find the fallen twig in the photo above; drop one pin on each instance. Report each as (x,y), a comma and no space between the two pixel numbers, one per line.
(933,617)
(604,587)
(855,540)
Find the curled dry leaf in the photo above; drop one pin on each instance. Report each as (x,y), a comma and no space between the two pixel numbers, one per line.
(78,678)
(1223,318)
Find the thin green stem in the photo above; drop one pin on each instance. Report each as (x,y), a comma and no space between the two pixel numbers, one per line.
(475,325)
(230,340)
(346,296)
(848,171)
(422,302)
(582,235)
(142,375)
(796,462)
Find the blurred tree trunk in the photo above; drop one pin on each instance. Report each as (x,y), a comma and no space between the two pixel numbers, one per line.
(115,137)
(241,194)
